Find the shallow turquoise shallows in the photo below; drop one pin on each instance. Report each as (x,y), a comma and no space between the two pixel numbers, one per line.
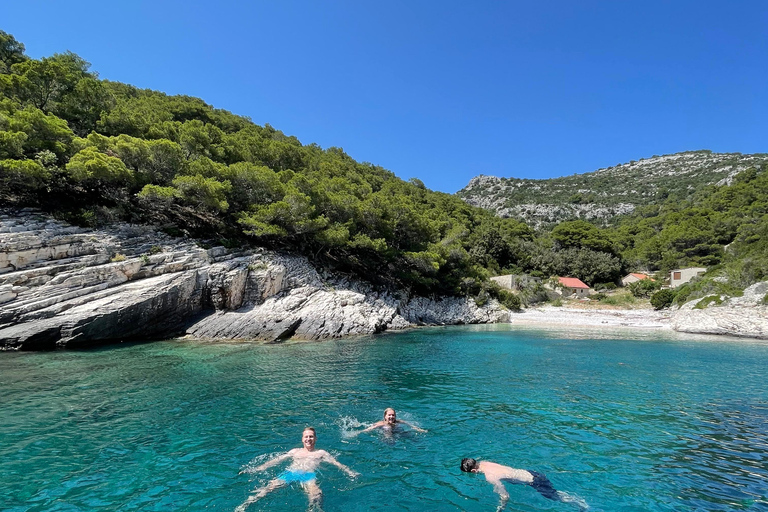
(642,424)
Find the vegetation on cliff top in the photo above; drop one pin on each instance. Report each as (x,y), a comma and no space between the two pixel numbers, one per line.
(721,227)
(93,151)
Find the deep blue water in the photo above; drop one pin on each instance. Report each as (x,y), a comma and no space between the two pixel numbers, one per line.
(643,424)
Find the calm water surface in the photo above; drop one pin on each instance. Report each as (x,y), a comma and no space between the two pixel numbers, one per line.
(639,424)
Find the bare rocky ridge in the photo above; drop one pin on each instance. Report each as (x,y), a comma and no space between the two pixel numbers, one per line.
(65,286)
(603,194)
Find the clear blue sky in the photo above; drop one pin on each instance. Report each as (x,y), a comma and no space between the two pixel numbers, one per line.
(443,90)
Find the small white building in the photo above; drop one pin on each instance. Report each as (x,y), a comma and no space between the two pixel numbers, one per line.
(633,278)
(681,276)
(514,281)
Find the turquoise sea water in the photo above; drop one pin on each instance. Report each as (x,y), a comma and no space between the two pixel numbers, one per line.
(644,424)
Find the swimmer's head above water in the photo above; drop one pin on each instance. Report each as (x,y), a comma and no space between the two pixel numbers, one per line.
(390,416)
(390,421)
(468,465)
(309,438)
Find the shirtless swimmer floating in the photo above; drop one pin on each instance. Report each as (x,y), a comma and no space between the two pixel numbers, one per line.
(305,461)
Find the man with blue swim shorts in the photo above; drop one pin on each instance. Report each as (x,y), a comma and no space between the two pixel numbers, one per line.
(496,474)
(305,461)
(296,476)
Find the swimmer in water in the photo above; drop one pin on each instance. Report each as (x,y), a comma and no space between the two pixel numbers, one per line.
(390,421)
(495,474)
(305,461)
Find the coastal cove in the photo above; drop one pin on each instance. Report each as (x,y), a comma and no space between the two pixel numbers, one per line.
(625,419)
(433,257)
(63,286)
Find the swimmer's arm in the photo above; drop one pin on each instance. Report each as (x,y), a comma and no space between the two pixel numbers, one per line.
(273,462)
(499,489)
(375,425)
(329,458)
(414,427)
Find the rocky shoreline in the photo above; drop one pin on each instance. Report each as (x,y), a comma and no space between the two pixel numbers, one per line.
(744,317)
(63,286)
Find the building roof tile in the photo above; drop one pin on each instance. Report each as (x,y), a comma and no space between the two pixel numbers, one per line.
(572,282)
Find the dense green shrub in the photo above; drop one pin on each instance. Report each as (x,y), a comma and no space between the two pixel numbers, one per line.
(662,299)
(157,194)
(682,294)
(533,292)
(201,192)
(706,287)
(644,288)
(22,176)
(96,169)
(508,299)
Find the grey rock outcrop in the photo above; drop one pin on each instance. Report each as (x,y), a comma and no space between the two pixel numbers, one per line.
(745,316)
(287,298)
(65,286)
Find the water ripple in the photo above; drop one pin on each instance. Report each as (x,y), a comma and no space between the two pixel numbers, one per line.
(629,425)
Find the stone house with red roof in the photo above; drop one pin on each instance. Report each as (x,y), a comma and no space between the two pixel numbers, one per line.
(574,287)
(633,278)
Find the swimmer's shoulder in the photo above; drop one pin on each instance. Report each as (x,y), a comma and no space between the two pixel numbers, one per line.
(493,468)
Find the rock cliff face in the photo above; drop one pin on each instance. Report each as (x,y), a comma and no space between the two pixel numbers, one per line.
(65,286)
(745,316)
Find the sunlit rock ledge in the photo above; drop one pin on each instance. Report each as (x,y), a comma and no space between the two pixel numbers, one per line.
(745,316)
(64,286)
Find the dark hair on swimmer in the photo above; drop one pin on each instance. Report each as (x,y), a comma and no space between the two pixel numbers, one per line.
(468,465)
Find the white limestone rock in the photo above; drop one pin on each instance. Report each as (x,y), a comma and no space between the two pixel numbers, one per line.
(156,306)
(61,286)
(753,296)
(744,316)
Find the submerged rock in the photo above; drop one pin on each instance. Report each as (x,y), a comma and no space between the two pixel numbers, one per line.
(64,286)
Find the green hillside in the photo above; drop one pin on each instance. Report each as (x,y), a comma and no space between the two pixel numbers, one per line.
(602,195)
(689,209)
(721,227)
(93,152)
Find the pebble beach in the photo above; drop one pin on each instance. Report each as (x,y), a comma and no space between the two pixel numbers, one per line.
(593,317)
